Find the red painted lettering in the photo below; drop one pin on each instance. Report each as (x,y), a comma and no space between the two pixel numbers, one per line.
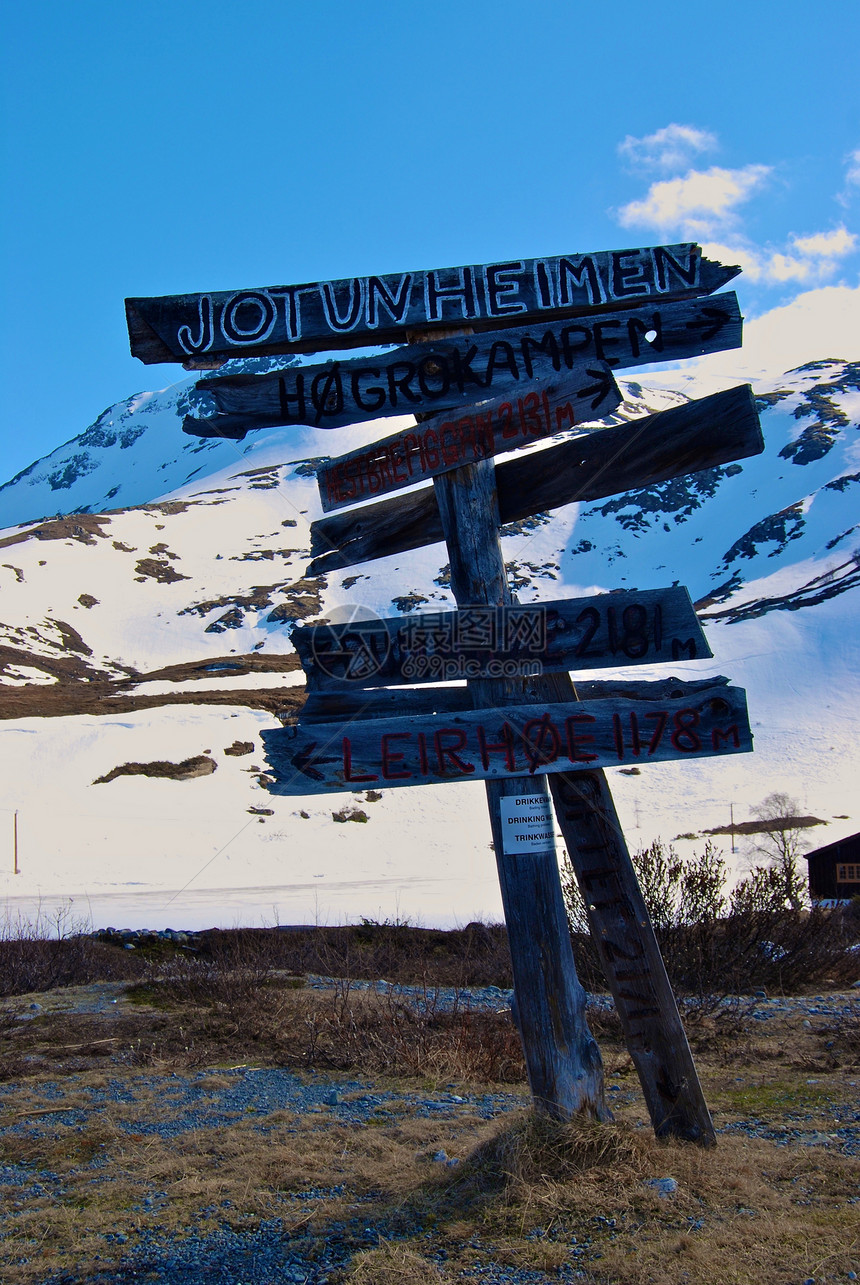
(661,720)
(723,734)
(506,420)
(449,751)
(683,737)
(576,739)
(449,434)
(347,765)
(562,414)
(398,462)
(619,736)
(529,408)
(431,448)
(541,742)
(506,744)
(389,757)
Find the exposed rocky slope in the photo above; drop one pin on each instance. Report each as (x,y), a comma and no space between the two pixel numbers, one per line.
(183,600)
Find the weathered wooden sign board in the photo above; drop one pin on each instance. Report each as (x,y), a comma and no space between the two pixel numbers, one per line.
(206,329)
(699,435)
(324,705)
(448,440)
(516,741)
(451,372)
(537,345)
(503,641)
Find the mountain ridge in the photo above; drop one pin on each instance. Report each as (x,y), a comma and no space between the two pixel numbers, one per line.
(141,633)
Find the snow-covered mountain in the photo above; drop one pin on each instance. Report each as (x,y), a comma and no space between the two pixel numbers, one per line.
(147,594)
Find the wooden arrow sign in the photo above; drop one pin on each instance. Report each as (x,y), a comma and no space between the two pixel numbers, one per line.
(518,740)
(339,705)
(463,369)
(635,627)
(206,329)
(685,439)
(460,437)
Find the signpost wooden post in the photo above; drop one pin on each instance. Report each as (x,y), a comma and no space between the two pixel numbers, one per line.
(569,322)
(562,1059)
(632,961)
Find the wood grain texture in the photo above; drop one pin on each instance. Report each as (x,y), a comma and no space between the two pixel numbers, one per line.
(463,369)
(466,435)
(622,931)
(480,641)
(563,1062)
(361,311)
(407,702)
(699,435)
(507,740)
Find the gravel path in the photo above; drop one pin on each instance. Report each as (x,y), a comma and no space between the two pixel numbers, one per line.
(270,1254)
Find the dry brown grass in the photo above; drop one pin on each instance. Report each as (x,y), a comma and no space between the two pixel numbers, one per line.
(527,1192)
(393,1265)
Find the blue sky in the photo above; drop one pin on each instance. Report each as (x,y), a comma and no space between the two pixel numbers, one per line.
(159,148)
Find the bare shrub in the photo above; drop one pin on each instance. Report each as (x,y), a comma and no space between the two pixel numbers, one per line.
(47,951)
(476,955)
(383,1032)
(781,843)
(716,945)
(241,994)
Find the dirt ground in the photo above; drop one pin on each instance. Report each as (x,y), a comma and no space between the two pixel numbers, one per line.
(144,1140)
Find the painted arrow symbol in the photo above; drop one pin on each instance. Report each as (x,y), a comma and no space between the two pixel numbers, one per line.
(716,320)
(603,387)
(304,762)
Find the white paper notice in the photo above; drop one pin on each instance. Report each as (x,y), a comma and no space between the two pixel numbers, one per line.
(528,824)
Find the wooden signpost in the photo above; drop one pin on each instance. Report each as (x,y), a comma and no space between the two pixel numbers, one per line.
(516,740)
(633,627)
(207,329)
(452,372)
(685,439)
(446,441)
(542,339)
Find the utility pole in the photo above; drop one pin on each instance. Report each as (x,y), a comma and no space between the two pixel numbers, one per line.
(732,818)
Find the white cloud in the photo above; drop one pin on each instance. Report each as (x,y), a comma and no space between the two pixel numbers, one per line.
(852,174)
(817,324)
(697,205)
(670,148)
(810,259)
(826,245)
(783,267)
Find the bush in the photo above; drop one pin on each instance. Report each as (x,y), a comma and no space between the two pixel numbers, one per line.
(42,953)
(715,945)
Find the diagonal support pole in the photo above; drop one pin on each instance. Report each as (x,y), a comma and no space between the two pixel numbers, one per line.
(635,973)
